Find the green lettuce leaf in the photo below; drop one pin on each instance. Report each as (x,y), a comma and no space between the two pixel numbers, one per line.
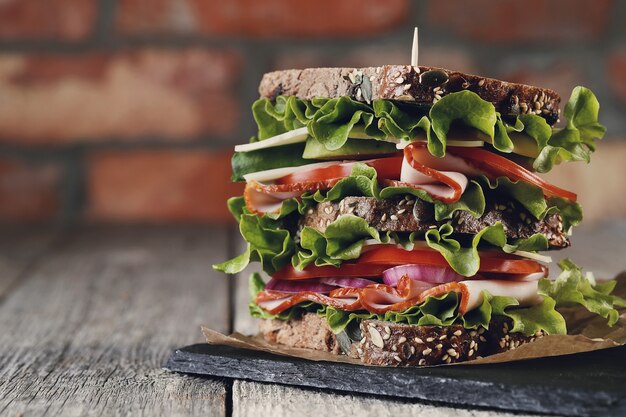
(464,107)
(332,121)
(401,120)
(342,240)
(335,118)
(466,260)
(576,141)
(572,288)
(268,242)
(285,114)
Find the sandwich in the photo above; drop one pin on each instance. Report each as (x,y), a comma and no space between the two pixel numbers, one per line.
(399,216)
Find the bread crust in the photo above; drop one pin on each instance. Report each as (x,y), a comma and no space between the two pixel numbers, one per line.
(408,214)
(393,344)
(420,85)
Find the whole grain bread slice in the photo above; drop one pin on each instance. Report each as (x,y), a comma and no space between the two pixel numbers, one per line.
(408,214)
(391,344)
(420,85)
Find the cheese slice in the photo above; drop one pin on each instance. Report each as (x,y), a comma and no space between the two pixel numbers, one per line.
(274,174)
(287,138)
(472,296)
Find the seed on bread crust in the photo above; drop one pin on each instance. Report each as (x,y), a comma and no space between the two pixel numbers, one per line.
(517,223)
(413,345)
(390,83)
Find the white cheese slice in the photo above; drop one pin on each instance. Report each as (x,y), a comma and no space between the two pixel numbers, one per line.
(287,138)
(274,174)
(298,136)
(525,292)
(533,256)
(458,143)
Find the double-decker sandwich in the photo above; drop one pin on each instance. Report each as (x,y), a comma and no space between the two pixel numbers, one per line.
(398,212)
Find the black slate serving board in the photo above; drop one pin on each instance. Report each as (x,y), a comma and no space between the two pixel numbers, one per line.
(584,384)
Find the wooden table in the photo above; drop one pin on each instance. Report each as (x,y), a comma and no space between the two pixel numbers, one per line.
(89,316)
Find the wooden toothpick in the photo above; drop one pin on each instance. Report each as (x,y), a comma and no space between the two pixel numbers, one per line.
(414,51)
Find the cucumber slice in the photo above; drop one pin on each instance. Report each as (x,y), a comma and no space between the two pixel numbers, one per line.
(264,159)
(352,149)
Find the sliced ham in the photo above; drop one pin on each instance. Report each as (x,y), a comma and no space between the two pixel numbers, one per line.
(381,298)
(267,198)
(275,302)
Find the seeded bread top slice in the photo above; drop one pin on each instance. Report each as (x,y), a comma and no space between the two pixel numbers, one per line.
(420,85)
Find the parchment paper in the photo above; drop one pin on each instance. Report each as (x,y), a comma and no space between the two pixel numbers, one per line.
(586,332)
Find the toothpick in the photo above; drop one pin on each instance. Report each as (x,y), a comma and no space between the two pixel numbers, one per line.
(414,51)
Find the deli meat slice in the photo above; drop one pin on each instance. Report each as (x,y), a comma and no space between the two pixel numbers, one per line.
(267,198)
(275,302)
(471,292)
(445,179)
(381,298)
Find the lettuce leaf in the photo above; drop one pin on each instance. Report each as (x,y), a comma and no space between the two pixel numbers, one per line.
(401,120)
(332,121)
(576,141)
(285,114)
(342,240)
(464,107)
(268,242)
(466,260)
(572,288)
(335,118)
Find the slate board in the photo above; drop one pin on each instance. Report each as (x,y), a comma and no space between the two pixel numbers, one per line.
(585,384)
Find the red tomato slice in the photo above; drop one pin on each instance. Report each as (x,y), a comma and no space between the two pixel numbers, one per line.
(498,166)
(378,258)
(386,168)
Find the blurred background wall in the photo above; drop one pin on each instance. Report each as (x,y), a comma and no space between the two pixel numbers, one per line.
(126,110)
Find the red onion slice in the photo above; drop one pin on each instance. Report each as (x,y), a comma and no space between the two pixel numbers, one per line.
(347,282)
(430,274)
(312,285)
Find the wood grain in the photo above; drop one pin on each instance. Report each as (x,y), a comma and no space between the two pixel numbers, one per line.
(89,329)
(19,249)
(288,401)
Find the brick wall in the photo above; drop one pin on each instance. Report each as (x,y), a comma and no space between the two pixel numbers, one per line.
(126,110)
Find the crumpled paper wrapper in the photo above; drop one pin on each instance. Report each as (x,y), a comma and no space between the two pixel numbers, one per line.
(586,332)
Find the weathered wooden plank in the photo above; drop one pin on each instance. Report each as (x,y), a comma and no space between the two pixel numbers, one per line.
(19,248)
(89,329)
(252,398)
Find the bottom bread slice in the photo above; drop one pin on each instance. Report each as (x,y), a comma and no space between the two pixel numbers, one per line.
(392,344)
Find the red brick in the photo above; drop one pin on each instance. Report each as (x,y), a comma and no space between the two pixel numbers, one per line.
(617,74)
(70,20)
(160,186)
(252,18)
(451,58)
(29,192)
(59,99)
(560,76)
(522,21)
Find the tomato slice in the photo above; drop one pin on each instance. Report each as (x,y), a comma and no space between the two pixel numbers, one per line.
(497,166)
(374,261)
(386,168)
